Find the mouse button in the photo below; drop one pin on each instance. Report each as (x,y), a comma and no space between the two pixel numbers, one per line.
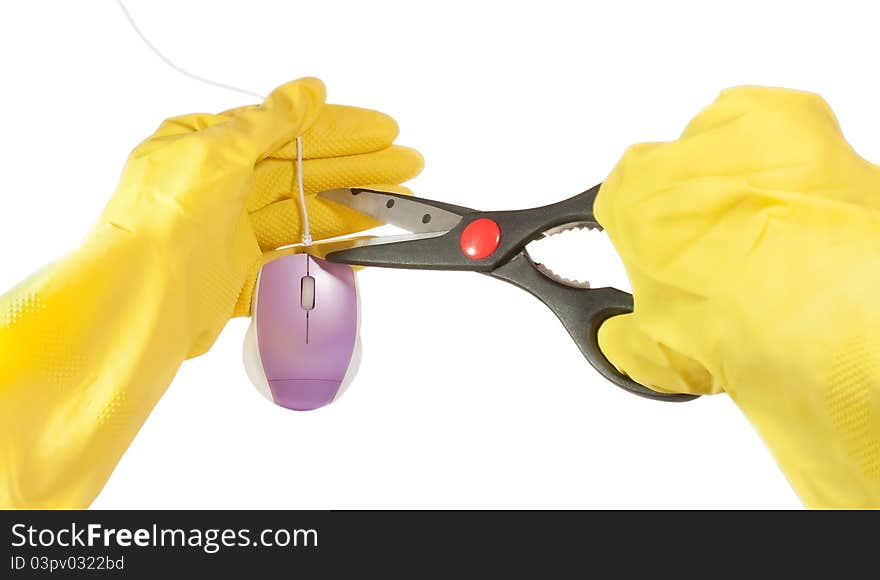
(292,265)
(280,322)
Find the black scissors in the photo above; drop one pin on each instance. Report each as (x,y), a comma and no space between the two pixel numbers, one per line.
(451,237)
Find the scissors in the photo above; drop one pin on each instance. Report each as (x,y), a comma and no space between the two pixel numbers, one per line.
(452,237)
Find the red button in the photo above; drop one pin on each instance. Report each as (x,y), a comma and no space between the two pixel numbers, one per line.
(480,238)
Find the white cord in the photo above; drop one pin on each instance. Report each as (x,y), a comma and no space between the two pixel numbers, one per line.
(307,230)
(307,234)
(179,69)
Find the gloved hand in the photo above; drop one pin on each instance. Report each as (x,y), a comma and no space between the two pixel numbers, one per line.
(753,247)
(90,343)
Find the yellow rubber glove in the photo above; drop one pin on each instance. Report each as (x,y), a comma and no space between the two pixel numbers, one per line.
(753,247)
(89,344)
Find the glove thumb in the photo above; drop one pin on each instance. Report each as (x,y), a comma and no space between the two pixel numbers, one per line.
(286,113)
(649,361)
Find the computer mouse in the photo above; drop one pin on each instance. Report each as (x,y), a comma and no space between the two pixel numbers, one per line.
(302,348)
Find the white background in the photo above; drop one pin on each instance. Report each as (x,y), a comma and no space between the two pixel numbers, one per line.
(471,394)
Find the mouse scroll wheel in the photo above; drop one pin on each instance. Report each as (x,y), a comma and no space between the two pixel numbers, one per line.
(307,293)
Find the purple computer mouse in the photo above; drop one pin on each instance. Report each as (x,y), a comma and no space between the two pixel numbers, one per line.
(302,348)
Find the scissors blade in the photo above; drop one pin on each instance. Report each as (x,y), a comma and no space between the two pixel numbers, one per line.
(351,243)
(426,251)
(416,215)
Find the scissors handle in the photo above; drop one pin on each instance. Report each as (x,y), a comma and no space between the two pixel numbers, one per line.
(582,311)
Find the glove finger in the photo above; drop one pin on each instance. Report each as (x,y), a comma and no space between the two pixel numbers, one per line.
(649,362)
(338,131)
(280,224)
(287,112)
(341,131)
(275,179)
(255,130)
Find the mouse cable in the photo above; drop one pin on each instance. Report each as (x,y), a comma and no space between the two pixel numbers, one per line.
(307,234)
